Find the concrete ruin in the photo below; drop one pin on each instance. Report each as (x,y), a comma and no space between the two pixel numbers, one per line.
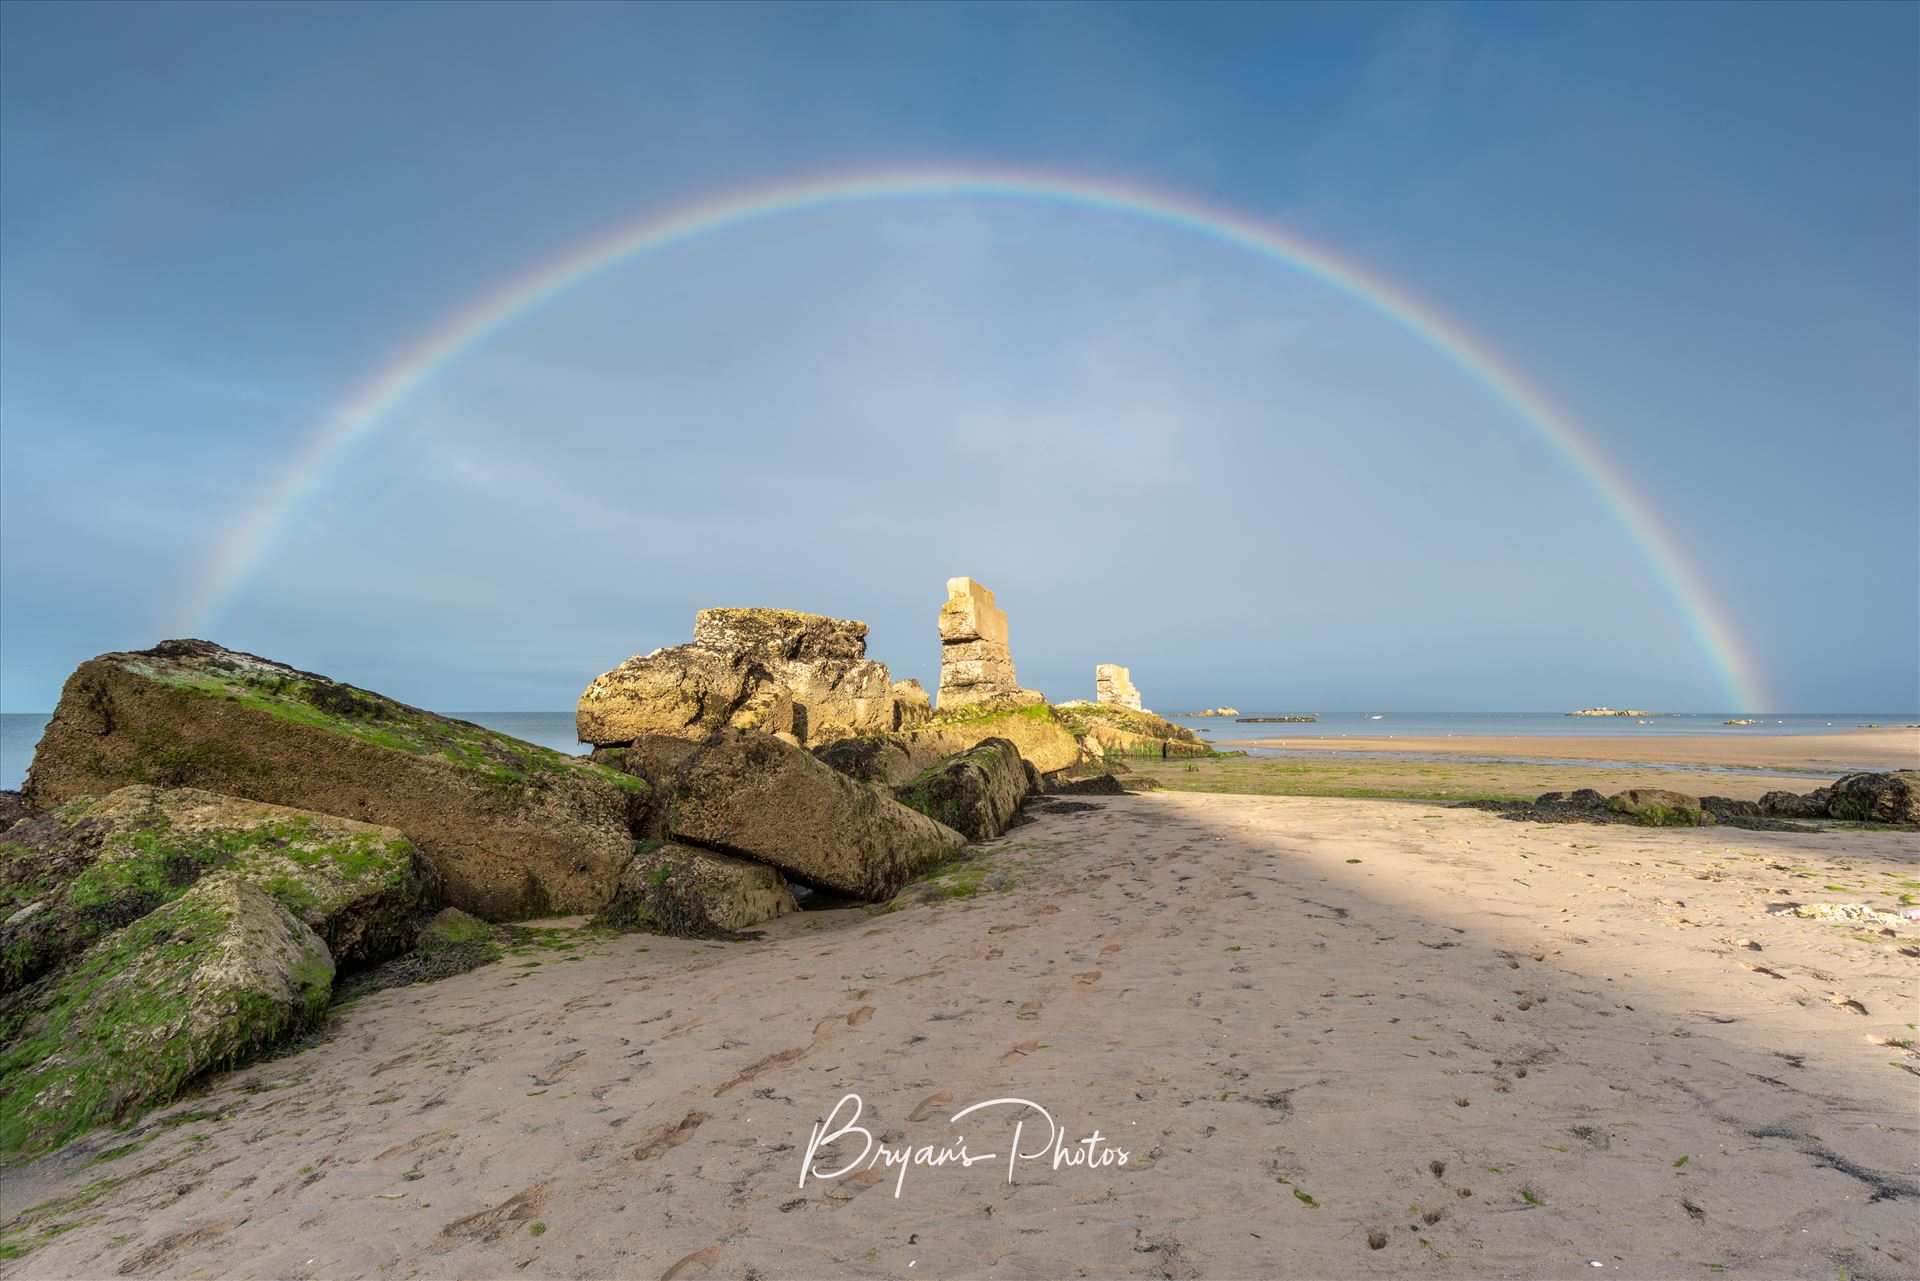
(976,666)
(1113,685)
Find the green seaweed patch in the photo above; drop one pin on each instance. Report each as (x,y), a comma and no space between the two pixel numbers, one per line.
(106,1042)
(512,765)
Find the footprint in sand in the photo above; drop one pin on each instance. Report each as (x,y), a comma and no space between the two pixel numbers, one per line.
(1020,1051)
(1111,948)
(1093,976)
(860,1016)
(928,1106)
(668,1137)
(1031,1010)
(697,1264)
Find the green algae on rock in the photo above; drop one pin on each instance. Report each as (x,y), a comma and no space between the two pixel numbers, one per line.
(514,829)
(93,865)
(976,793)
(204,981)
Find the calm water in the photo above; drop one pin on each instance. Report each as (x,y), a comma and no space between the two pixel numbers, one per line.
(20,731)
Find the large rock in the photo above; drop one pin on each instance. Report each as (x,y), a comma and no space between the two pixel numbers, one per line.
(977,793)
(1658,807)
(514,830)
(1113,685)
(695,893)
(204,981)
(1796,805)
(1112,729)
(1876,798)
(976,665)
(757,796)
(890,760)
(94,865)
(802,676)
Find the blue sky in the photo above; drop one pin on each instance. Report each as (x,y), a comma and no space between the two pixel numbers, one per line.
(1693,226)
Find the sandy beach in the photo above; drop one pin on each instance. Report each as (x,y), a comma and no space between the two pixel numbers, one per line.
(1502,1049)
(1895,747)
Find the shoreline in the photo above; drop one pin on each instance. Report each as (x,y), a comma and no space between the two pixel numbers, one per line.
(1896,747)
(1304,1016)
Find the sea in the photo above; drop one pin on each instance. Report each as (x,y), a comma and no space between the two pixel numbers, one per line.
(20,731)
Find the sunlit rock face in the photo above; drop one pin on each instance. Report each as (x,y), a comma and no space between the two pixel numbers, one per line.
(1113,686)
(803,677)
(976,666)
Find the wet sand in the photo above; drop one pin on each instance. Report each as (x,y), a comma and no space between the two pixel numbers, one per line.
(1897,747)
(1307,1020)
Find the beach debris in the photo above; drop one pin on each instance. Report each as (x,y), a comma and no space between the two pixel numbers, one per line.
(513,829)
(1834,912)
(976,666)
(805,677)
(1113,686)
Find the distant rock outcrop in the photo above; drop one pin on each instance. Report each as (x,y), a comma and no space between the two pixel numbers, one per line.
(804,677)
(514,830)
(976,666)
(1113,686)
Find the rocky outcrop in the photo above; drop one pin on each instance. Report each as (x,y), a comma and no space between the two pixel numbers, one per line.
(911,703)
(1110,730)
(1037,732)
(976,793)
(976,666)
(1876,798)
(92,866)
(1795,805)
(695,893)
(210,978)
(1658,807)
(1113,687)
(804,677)
(514,830)
(759,797)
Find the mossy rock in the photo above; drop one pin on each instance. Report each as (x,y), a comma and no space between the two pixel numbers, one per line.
(514,829)
(96,864)
(695,893)
(1658,807)
(976,793)
(216,975)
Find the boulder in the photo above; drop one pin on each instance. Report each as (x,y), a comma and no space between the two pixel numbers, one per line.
(802,676)
(1111,729)
(206,980)
(1726,807)
(1113,686)
(1579,798)
(762,798)
(696,893)
(976,665)
(1658,807)
(13,808)
(94,865)
(891,760)
(1876,798)
(513,829)
(976,793)
(1795,805)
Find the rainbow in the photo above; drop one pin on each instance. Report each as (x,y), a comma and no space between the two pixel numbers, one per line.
(259,528)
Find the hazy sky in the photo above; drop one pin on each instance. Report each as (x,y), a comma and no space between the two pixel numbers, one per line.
(1694,227)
